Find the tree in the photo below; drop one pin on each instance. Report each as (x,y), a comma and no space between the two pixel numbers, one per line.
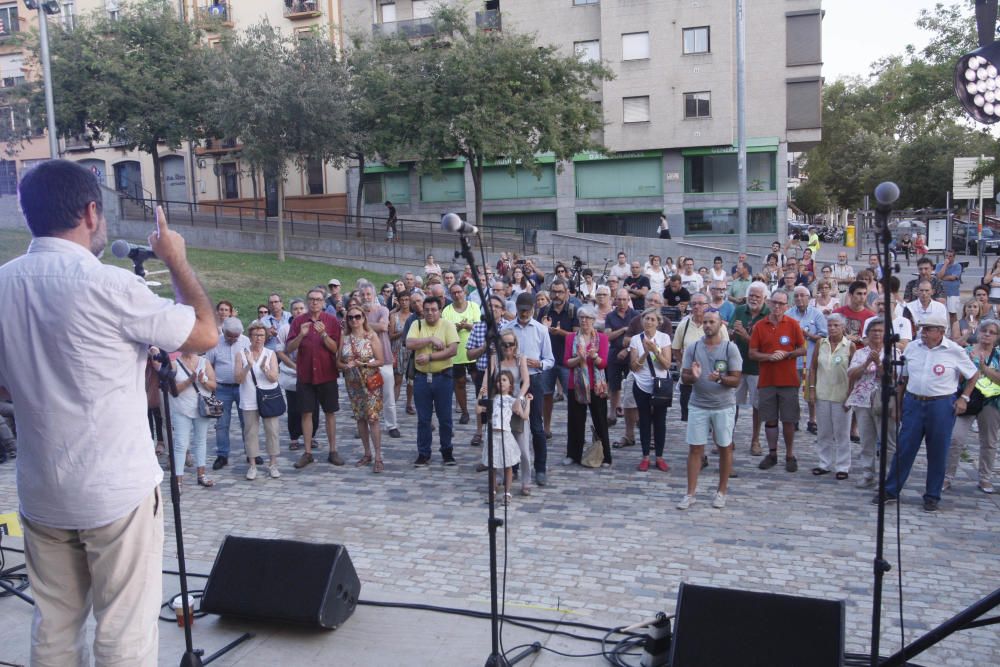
(484,96)
(282,98)
(810,197)
(140,79)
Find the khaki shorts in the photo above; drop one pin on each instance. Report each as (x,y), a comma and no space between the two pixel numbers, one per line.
(746,393)
(628,398)
(779,404)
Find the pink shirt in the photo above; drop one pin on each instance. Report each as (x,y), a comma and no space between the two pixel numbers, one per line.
(602,355)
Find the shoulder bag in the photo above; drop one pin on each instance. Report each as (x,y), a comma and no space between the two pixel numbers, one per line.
(977,400)
(663,388)
(270,402)
(208,404)
(374,380)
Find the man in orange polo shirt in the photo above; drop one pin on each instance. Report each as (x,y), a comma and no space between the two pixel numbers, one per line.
(776,341)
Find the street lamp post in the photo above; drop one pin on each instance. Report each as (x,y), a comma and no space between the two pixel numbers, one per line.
(44,9)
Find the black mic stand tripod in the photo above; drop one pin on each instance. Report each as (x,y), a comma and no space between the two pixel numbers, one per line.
(192,656)
(967,618)
(496,658)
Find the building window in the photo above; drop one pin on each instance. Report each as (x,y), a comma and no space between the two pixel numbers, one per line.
(585,2)
(11,70)
(696,40)
(635,46)
(724,221)
(314,176)
(388,13)
(589,51)
(230,181)
(635,109)
(698,105)
(394,186)
(422,9)
(8,20)
(718,173)
(804,37)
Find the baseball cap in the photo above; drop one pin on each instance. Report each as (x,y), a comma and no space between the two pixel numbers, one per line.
(932,320)
(333,281)
(525,301)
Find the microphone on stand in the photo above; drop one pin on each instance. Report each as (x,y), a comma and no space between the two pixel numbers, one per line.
(122,249)
(451,222)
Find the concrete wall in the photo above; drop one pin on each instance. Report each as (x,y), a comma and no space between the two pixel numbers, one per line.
(10,213)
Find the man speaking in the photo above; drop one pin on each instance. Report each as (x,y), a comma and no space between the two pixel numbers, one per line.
(87,477)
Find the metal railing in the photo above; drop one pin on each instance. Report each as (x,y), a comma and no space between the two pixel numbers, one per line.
(408,28)
(301,8)
(319,225)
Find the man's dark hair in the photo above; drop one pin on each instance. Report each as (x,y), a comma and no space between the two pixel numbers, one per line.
(588,272)
(894,284)
(560,282)
(435,300)
(925,260)
(977,288)
(55,194)
(856,285)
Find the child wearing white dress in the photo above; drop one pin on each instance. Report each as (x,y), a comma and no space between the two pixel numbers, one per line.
(506,452)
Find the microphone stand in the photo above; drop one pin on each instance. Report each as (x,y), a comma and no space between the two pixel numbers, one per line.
(168,387)
(496,658)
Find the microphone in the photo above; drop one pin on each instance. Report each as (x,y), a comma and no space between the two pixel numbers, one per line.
(122,249)
(451,222)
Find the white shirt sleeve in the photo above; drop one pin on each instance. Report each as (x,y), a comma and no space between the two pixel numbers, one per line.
(150,319)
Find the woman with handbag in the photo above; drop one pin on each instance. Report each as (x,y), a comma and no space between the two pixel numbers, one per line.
(360,360)
(192,409)
(829,383)
(981,408)
(256,372)
(649,355)
(586,356)
(865,397)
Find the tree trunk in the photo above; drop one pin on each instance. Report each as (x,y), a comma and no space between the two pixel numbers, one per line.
(157,175)
(281,218)
(477,187)
(360,198)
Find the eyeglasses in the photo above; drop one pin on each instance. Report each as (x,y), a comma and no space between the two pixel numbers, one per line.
(315,298)
(509,344)
(354,317)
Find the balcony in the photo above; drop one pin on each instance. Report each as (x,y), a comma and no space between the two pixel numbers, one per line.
(11,79)
(298,10)
(80,142)
(488,19)
(409,28)
(218,147)
(215,16)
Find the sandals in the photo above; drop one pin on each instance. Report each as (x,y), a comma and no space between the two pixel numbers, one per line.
(842,476)
(620,411)
(204,480)
(160,448)
(623,442)
(477,440)
(363,461)
(821,471)
(410,410)
(378,467)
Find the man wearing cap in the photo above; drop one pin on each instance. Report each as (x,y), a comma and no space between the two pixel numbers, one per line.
(932,368)
(533,342)
(231,342)
(335,302)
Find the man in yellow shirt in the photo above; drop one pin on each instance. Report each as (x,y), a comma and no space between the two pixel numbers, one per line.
(434,343)
(463,314)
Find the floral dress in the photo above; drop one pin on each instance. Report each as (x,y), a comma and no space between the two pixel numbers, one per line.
(399,351)
(366,405)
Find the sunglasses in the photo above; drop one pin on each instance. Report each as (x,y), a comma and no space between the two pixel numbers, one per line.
(509,344)
(354,317)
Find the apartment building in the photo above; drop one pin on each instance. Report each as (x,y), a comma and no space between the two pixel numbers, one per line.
(670,116)
(208,172)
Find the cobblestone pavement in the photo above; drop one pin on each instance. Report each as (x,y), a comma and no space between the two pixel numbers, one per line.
(609,544)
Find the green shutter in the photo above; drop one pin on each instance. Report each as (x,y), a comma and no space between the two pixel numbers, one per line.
(499,184)
(397,187)
(449,186)
(619,178)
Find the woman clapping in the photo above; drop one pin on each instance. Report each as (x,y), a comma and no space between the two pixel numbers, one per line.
(257,367)
(360,359)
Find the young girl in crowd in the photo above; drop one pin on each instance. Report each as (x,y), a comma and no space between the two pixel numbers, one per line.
(506,453)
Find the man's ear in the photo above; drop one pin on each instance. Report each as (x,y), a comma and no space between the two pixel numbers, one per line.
(91,217)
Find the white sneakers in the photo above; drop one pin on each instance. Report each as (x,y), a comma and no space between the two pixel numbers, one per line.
(687,501)
(252,472)
(272,472)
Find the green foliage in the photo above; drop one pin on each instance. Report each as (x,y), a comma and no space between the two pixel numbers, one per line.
(483,96)
(810,197)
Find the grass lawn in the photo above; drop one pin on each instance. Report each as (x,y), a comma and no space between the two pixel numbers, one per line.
(244,278)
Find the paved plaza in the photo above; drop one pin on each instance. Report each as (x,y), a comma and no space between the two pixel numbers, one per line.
(603,546)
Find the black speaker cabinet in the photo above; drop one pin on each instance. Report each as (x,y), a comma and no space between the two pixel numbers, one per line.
(719,626)
(294,582)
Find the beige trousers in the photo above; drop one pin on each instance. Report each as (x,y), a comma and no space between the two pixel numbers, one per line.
(989,427)
(251,428)
(114,570)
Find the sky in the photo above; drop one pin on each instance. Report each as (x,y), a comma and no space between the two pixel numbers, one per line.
(858,32)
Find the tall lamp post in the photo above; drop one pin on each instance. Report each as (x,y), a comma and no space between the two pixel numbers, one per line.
(45,8)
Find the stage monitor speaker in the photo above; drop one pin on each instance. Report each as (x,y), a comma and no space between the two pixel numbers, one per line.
(294,582)
(719,626)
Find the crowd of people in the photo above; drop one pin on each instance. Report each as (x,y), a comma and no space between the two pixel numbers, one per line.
(793,332)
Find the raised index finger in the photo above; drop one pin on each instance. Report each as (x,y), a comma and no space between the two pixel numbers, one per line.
(161,221)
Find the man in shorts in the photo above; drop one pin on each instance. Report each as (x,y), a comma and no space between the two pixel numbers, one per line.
(741,324)
(316,335)
(775,344)
(712,368)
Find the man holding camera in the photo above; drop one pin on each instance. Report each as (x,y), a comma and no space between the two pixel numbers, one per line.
(89,482)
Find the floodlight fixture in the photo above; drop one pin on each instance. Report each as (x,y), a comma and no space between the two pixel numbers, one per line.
(977,79)
(51,7)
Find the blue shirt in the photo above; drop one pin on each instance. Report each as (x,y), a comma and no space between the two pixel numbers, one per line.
(726,310)
(951,287)
(533,342)
(812,322)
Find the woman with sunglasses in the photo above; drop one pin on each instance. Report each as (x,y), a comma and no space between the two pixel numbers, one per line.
(262,312)
(516,364)
(360,360)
